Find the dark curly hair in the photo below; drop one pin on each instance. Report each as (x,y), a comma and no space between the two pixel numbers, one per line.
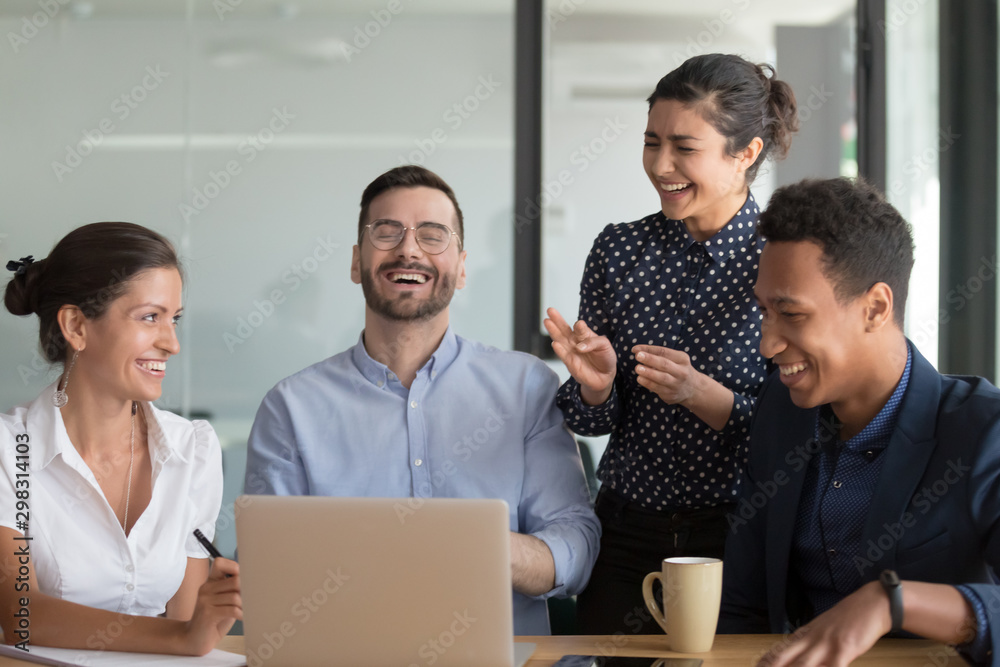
(89,268)
(739,99)
(864,238)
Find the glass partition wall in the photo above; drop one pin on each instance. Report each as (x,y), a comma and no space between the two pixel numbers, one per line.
(245,132)
(603,59)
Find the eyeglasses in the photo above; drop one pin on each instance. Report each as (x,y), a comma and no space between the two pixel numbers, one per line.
(433,238)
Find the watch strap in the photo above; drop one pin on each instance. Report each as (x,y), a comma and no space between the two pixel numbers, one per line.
(894,589)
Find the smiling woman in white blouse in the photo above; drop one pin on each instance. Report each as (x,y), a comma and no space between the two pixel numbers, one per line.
(101,488)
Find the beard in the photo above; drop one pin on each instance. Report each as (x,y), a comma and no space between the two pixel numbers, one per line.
(406,307)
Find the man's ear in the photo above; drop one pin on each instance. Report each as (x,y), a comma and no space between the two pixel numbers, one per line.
(461,271)
(878,307)
(356,265)
(73,324)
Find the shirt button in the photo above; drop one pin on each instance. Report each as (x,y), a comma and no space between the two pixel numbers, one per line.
(832,552)
(380,383)
(418,462)
(129,587)
(129,568)
(837,484)
(413,404)
(434,374)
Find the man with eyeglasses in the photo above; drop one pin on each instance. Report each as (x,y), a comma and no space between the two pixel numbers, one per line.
(415,411)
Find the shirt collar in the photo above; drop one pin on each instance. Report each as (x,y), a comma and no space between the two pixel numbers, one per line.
(724,244)
(49,438)
(878,432)
(379,374)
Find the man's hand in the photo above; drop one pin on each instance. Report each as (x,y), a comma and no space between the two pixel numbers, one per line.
(590,358)
(839,635)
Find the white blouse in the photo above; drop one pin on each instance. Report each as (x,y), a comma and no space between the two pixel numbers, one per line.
(79,551)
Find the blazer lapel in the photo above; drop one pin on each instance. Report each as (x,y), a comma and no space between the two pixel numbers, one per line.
(907,456)
(794,445)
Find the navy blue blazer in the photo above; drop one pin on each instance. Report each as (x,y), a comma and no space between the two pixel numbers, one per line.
(934,516)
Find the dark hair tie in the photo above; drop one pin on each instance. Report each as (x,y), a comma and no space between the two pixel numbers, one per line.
(19,267)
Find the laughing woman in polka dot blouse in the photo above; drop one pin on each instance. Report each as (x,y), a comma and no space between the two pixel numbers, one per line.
(665,355)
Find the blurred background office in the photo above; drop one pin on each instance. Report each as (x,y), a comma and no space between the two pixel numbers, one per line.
(246,130)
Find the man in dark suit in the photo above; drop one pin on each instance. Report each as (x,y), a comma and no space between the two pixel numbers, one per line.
(871,501)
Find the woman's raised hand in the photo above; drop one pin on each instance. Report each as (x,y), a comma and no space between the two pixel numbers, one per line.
(590,358)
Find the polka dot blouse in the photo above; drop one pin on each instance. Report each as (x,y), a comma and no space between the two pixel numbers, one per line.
(649,282)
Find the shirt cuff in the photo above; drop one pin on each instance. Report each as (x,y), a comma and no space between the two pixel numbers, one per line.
(979,649)
(736,432)
(593,415)
(565,559)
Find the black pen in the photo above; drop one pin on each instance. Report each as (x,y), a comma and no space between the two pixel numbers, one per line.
(209,547)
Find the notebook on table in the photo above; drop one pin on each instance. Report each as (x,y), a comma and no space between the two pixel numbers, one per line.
(376,581)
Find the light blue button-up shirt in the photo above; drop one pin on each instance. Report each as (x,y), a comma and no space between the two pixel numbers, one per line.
(476,422)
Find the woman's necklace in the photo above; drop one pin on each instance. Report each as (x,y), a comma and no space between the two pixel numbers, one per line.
(131,460)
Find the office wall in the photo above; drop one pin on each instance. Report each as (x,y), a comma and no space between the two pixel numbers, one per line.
(248,143)
(600,70)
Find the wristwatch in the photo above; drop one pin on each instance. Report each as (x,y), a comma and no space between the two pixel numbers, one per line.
(894,589)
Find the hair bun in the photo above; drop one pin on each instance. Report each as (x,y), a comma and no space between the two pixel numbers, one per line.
(21,296)
(785,115)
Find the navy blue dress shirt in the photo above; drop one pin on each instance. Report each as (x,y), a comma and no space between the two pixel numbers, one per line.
(826,546)
(650,282)
(829,560)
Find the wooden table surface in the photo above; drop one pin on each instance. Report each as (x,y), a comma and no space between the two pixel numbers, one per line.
(733,650)
(728,651)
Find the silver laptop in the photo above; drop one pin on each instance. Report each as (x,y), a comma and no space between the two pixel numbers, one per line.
(376,582)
